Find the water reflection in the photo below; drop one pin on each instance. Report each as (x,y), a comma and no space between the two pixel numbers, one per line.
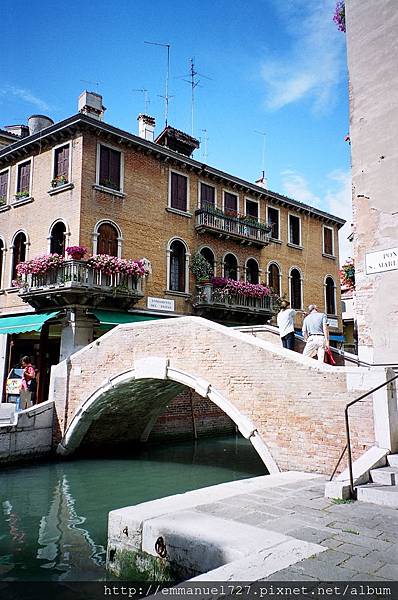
(53,516)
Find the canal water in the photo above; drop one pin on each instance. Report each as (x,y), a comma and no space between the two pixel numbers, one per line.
(53,516)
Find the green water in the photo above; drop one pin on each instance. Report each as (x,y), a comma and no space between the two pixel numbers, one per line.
(53,516)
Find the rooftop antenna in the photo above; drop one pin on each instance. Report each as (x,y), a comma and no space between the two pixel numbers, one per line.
(193,82)
(205,140)
(146,98)
(166,93)
(264,178)
(96,83)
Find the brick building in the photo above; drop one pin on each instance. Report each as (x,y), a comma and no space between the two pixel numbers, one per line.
(84,182)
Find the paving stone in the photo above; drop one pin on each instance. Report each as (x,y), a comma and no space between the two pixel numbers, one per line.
(355,526)
(309,534)
(366,577)
(390,571)
(354,550)
(291,576)
(363,564)
(254,518)
(284,524)
(331,543)
(333,557)
(390,557)
(323,571)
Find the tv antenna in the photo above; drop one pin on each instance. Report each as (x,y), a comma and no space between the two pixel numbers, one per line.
(263,133)
(193,82)
(166,93)
(96,83)
(205,140)
(147,102)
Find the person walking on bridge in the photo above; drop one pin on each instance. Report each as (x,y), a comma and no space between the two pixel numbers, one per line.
(316,333)
(285,321)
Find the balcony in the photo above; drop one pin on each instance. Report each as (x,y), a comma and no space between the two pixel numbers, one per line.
(74,282)
(209,302)
(241,228)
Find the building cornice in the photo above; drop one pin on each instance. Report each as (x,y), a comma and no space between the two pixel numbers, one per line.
(79,123)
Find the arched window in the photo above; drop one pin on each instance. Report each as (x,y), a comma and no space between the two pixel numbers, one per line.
(330,296)
(274,278)
(230,267)
(295,289)
(57,238)
(177,271)
(18,252)
(1,261)
(252,271)
(209,256)
(107,241)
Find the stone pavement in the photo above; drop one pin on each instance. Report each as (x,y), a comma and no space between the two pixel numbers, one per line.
(360,538)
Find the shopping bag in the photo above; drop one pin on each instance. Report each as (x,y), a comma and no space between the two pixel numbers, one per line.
(329,357)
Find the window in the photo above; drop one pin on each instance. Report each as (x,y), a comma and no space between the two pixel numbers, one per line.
(179,192)
(252,209)
(3,187)
(230,267)
(274,280)
(294,230)
(1,261)
(177,271)
(295,289)
(57,241)
(107,241)
(209,256)
(18,253)
(61,163)
(330,296)
(23,178)
(273,222)
(230,203)
(207,195)
(328,241)
(110,165)
(252,271)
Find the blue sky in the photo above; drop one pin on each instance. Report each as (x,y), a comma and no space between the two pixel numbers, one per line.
(273,66)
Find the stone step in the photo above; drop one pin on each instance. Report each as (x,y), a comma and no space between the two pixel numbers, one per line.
(392,460)
(378,494)
(384,476)
(7,412)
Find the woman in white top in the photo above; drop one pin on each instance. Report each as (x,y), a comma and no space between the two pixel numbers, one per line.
(285,320)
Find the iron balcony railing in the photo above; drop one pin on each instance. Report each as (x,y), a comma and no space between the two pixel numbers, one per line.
(207,295)
(77,273)
(233,225)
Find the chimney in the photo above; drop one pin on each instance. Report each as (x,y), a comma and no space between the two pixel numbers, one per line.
(146,127)
(38,122)
(18,130)
(262,182)
(90,104)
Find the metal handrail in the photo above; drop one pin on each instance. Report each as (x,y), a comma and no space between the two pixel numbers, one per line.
(347,431)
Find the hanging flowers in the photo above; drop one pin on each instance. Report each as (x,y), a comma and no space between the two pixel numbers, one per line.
(230,287)
(76,252)
(109,265)
(40,265)
(347,274)
(339,15)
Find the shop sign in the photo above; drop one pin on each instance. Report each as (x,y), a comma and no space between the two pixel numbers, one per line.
(160,304)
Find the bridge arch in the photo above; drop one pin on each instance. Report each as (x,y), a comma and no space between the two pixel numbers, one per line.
(163,379)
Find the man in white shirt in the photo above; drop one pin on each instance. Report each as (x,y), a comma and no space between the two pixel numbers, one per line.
(285,320)
(316,333)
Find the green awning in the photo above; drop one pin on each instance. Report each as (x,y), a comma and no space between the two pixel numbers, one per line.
(110,318)
(24,323)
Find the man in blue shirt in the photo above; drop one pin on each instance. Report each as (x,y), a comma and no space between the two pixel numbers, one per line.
(316,333)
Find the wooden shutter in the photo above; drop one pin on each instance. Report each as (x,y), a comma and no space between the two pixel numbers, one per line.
(24,177)
(104,165)
(294,223)
(252,209)
(1,262)
(107,240)
(114,169)
(273,221)
(330,304)
(179,192)
(19,253)
(177,267)
(295,284)
(207,195)
(230,203)
(62,162)
(274,279)
(3,184)
(328,241)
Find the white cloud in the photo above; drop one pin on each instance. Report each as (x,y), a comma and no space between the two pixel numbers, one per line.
(297,187)
(314,63)
(9,91)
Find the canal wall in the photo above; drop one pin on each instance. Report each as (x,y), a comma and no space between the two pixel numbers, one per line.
(28,434)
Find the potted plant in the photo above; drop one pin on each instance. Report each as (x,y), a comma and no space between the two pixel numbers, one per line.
(108,183)
(3,200)
(58,181)
(201,269)
(347,274)
(76,252)
(22,194)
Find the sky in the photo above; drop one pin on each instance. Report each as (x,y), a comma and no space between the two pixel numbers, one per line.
(271,93)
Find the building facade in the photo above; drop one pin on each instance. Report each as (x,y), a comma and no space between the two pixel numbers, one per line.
(84,182)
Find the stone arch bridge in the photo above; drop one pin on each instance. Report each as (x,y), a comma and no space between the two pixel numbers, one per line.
(290,407)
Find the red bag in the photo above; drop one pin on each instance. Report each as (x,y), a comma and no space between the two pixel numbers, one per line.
(329,357)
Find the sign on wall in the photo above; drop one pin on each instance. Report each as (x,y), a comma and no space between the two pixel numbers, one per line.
(383,260)
(160,304)
(333,322)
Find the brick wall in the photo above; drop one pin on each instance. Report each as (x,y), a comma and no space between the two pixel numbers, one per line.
(296,404)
